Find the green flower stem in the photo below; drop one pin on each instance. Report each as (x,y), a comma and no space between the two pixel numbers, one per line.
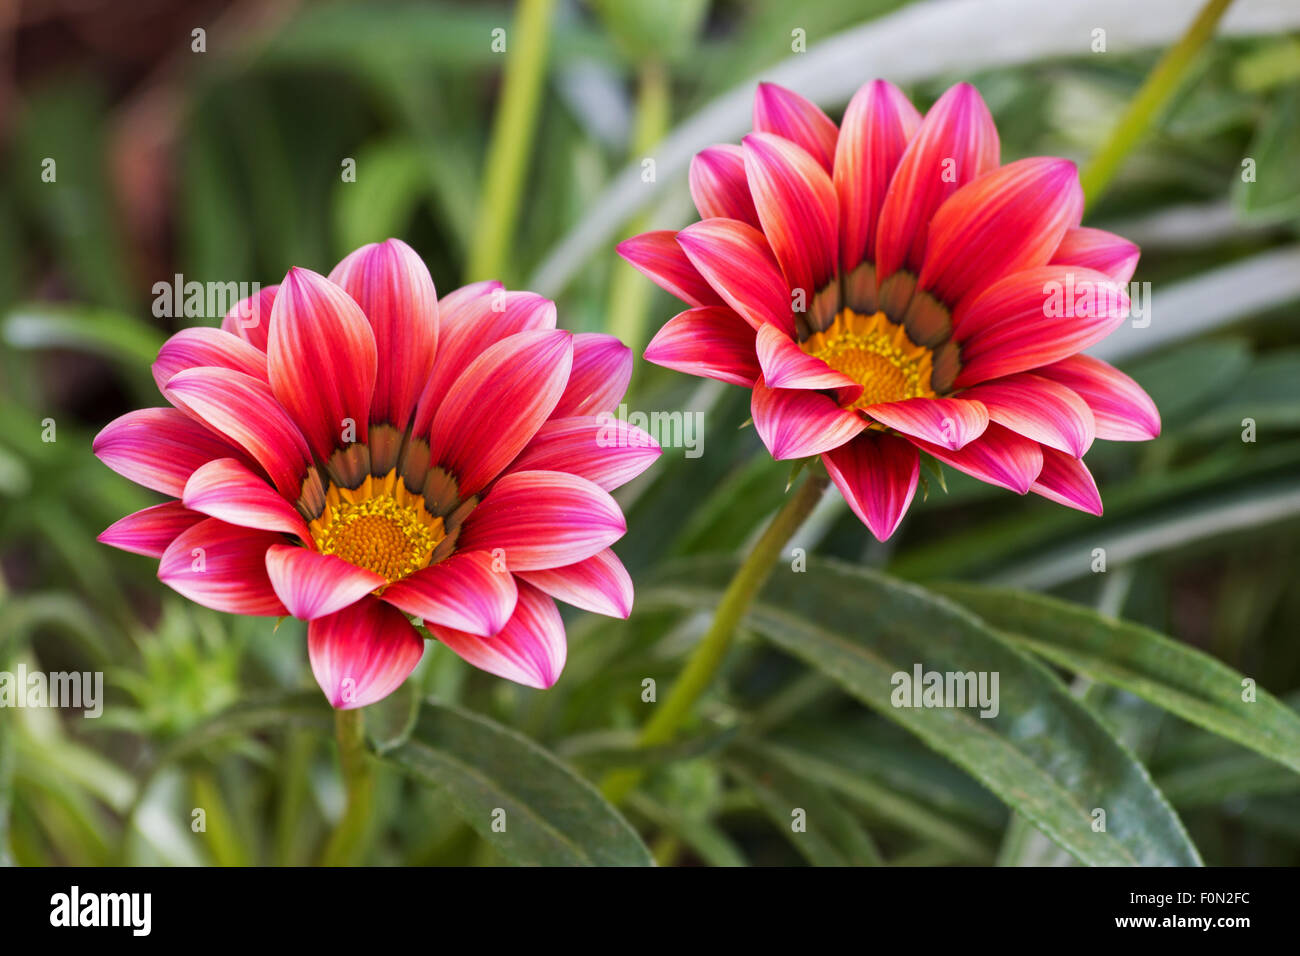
(1150,101)
(359,779)
(712,649)
(512,138)
(629,293)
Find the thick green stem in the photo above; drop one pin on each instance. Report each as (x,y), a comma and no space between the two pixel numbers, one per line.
(512,138)
(1150,101)
(358,776)
(712,649)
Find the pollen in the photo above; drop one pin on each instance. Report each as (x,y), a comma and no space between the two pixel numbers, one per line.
(379,526)
(877,354)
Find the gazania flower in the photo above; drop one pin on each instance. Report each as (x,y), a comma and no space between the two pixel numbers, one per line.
(886,287)
(352,451)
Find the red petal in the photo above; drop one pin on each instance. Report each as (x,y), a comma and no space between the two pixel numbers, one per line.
(600,584)
(149,532)
(999,457)
(794,423)
(602,367)
(530,649)
(1038,408)
(602,448)
(658,257)
(712,342)
(159,448)
(1100,250)
(785,365)
(228,490)
(877,474)
(1122,410)
(1067,481)
(202,346)
(251,318)
(465,591)
(736,261)
(363,653)
(791,116)
(222,567)
(719,186)
(950,422)
(313,585)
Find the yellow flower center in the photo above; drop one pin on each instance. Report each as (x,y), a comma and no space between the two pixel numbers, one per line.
(877,354)
(378,525)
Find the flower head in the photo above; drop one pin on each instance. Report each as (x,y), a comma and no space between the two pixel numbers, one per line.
(887,287)
(351,450)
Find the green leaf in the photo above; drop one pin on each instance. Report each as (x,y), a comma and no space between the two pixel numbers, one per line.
(1043,754)
(552,816)
(1272,194)
(1178,678)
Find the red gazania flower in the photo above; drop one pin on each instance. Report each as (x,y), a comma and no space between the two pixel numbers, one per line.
(352,451)
(886,287)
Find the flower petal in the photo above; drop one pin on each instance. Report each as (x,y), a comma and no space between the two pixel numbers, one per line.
(465,592)
(955,143)
(395,291)
(737,262)
(599,584)
(1007,221)
(798,208)
(223,567)
(1034,318)
(877,474)
(790,116)
(602,448)
(203,346)
(1122,410)
(1038,408)
(951,422)
(602,367)
(251,318)
(658,256)
(1097,249)
(794,423)
(323,361)
(1067,481)
(243,409)
(999,457)
(150,531)
(497,404)
(159,448)
(530,649)
(363,653)
(712,342)
(719,186)
(877,126)
(543,519)
(228,490)
(312,585)
(785,365)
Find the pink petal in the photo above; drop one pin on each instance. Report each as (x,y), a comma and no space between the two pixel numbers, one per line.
(1034,318)
(1067,481)
(467,303)
(395,291)
(228,490)
(1038,408)
(222,567)
(530,649)
(658,257)
(795,424)
(877,474)
(150,531)
(1122,410)
(468,329)
(1100,250)
(602,367)
(323,361)
(250,318)
(465,591)
(719,186)
(243,409)
(790,116)
(363,653)
(497,404)
(955,143)
(600,584)
(159,448)
(1010,220)
(877,126)
(999,457)
(712,342)
(312,585)
(602,448)
(798,208)
(543,519)
(736,261)
(199,347)
(950,422)
(785,365)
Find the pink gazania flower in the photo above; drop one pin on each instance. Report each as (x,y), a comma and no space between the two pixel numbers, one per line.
(353,450)
(887,287)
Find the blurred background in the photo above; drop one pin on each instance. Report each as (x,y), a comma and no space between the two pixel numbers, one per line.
(222,156)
